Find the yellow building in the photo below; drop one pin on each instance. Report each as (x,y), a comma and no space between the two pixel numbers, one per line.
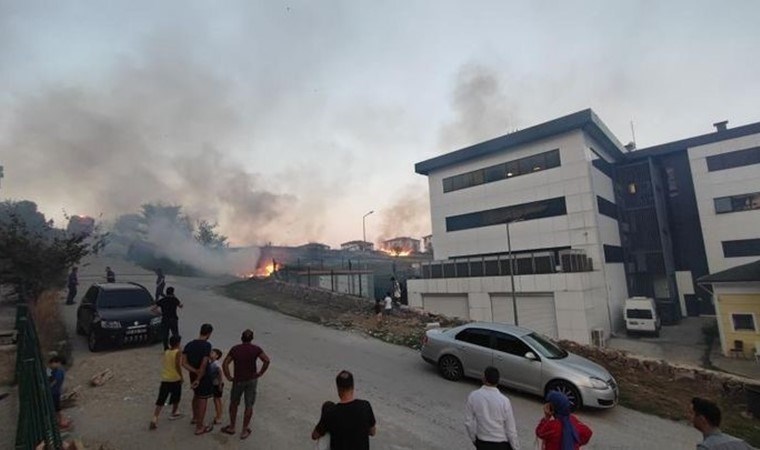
(736,293)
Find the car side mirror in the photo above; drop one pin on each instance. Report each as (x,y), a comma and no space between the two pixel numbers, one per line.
(531,356)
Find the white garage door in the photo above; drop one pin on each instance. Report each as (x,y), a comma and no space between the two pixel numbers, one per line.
(536,312)
(449,305)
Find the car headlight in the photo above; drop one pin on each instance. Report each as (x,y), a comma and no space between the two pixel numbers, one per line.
(111,324)
(598,383)
(155,321)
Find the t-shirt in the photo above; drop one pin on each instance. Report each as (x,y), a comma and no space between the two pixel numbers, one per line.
(169,372)
(195,351)
(388,303)
(57,376)
(348,425)
(168,307)
(214,370)
(244,356)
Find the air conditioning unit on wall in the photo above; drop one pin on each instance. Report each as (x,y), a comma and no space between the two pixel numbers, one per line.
(597,337)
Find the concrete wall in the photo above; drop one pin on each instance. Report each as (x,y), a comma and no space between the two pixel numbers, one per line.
(710,185)
(580,298)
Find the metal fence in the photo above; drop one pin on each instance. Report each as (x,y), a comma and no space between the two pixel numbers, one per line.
(37,418)
(532,263)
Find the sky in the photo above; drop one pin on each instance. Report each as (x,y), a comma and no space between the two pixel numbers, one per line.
(286,122)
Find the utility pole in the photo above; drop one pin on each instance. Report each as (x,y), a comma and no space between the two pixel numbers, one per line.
(512,271)
(364,230)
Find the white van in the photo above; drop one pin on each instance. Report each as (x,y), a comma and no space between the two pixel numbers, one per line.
(641,316)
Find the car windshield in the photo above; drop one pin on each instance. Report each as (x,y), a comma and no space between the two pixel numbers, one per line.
(126,298)
(544,346)
(639,313)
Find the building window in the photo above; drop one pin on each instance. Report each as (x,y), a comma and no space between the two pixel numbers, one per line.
(631,188)
(738,158)
(741,248)
(526,211)
(522,166)
(606,207)
(613,254)
(743,321)
(743,202)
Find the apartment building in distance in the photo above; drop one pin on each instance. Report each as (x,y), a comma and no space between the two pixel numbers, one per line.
(578,223)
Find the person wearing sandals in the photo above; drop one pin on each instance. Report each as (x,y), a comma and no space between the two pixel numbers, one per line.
(244,380)
(216,375)
(171,382)
(195,359)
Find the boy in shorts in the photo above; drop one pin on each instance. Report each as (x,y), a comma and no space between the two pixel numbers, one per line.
(171,382)
(216,375)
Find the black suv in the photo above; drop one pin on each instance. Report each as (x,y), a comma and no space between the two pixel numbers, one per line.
(117,314)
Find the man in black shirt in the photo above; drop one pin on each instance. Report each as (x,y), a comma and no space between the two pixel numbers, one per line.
(169,319)
(196,359)
(351,422)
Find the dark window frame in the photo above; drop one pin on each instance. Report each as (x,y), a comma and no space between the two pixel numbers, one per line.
(732,160)
(510,169)
(740,325)
(741,248)
(606,207)
(613,254)
(476,331)
(525,211)
(736,203)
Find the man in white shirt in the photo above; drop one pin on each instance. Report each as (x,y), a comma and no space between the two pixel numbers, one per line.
(488,418)
(388,304)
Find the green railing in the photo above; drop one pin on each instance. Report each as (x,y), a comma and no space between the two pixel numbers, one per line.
(37,418)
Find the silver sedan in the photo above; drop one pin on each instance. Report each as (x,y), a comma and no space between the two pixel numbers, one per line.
(526,361)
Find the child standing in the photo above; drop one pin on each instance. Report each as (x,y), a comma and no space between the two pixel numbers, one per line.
(171,382)
(57,375)
(216,375)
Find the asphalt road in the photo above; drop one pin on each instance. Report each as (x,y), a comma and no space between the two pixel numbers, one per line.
(415,408)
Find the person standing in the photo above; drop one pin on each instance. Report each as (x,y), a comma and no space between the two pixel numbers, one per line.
(171,382)
(169,318)
(110,275)
(388,304)
(489,419)
(195,359)
(351,422)
(396,290)
(378,311)
(57,375)
(73,282)
(706,417)
(560,430)
(244,380)
(160,283)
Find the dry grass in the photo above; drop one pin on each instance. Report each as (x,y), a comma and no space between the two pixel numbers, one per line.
(51,329)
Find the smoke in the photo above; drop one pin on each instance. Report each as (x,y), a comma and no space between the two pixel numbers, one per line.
(159,128)
(407,215)
(482,107)
(177,245)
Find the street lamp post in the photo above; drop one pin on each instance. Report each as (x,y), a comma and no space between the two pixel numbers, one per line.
(364,228)
(512,271)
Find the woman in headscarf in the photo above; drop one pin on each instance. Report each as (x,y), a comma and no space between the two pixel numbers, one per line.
(560,430)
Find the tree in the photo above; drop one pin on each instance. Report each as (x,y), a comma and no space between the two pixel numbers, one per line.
(34,253)
(207,236)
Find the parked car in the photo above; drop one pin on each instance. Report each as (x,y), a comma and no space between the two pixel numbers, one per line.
(641,316)
(117,314)
(527,361)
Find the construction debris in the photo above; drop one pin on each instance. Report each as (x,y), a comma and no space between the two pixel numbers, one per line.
(100,378)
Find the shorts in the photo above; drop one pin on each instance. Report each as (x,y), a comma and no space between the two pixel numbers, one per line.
(218,390)
(205,387)
(57,402)
(244,387)
(171,390)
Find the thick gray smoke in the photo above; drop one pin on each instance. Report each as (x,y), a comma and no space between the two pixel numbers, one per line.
(407,214)
(159,129)
(482,107)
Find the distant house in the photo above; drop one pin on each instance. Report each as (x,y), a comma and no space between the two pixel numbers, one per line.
(427,243)
(401,245)
(357,246)
(314,246)
(736,293)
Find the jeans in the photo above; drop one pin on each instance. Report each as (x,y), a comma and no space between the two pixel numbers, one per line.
(72,294)
(166,326)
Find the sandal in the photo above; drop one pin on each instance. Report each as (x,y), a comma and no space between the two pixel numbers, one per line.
(217,422)
(245,433)
(228,430)
(206,429)
(152,426)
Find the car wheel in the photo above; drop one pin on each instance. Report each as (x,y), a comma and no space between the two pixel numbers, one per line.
(657,333)
(450,368)
(92,342)
(570,391)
